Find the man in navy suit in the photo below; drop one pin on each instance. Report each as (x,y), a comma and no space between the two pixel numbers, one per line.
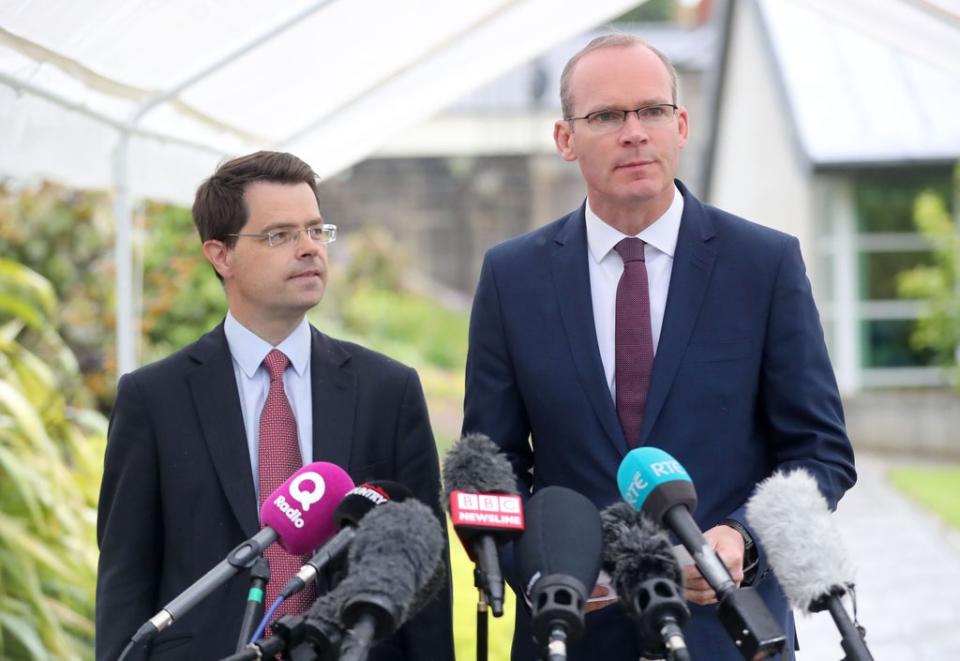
(739,385)
(180,485)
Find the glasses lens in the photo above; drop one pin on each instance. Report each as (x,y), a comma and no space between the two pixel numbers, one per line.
(280,237)
(606,120)
(659,114)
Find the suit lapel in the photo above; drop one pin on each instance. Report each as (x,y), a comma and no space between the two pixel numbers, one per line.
(214,389)
(334,393)
(692,266)
(568,261)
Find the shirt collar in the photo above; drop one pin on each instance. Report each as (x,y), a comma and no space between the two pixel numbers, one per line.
(249,350)
(661,233)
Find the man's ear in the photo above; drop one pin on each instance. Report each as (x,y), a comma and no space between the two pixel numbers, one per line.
(219,255)
(563,137)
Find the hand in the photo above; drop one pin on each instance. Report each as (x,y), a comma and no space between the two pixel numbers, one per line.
(728,543)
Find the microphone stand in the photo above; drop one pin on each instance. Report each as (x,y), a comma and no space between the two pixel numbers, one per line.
(482,616)
(259,576)
(851,634)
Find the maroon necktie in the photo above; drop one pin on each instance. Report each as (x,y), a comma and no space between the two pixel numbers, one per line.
(634,339)
(278,458)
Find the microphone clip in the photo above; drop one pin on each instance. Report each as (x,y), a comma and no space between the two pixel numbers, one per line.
(750,625)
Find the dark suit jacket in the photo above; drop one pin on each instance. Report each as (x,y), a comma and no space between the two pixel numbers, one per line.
(741,385)
(177,492)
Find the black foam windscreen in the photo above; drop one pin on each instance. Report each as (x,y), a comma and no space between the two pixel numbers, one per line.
(364,497)
(562,537)
(393,558)
(635,549)
(475,464)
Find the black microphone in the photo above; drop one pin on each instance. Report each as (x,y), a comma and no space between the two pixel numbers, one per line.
(652,481)
(253,611)
(354,506)
(392,562)
(558,556)
(793,521)
(648,579)
(480,494)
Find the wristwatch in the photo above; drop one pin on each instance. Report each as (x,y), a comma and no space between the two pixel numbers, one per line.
(751,555)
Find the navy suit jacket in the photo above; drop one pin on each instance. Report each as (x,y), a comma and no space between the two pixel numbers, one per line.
(177,492)
(741,386)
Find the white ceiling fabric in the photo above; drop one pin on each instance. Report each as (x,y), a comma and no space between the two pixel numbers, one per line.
(332,81)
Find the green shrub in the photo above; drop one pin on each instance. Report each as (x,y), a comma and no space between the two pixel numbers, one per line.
(50,450)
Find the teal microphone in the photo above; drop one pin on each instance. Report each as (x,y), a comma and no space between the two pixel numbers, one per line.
(655,483)
(652,481)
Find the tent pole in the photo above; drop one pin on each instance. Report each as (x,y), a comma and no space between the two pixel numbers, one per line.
(127,327)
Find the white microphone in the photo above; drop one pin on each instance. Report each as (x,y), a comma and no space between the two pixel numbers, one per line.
(802,543)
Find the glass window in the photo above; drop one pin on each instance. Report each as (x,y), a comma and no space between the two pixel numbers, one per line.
(879,271)
(884,200)
(886,343)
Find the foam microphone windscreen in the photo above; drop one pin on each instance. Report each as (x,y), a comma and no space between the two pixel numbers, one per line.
(635,549)
(301,509)
(475,464)
(563,537)
(393,557)
(364,497)
(794,524)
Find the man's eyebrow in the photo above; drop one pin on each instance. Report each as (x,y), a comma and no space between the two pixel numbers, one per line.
(288,224)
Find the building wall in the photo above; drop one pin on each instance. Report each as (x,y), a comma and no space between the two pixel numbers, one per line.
(757,172)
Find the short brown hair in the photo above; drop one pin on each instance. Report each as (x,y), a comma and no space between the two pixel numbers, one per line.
(219,209)
(615,40)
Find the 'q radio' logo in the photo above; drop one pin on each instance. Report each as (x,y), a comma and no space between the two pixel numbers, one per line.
(304,496)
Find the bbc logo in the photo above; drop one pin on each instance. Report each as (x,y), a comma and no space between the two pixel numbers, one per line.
(488,503)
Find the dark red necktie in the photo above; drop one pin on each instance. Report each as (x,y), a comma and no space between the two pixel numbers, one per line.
(634,340)
(278,458)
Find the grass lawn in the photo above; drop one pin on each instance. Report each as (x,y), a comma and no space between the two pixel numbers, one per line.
(936,488)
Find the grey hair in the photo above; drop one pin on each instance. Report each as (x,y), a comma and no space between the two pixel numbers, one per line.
(614,40)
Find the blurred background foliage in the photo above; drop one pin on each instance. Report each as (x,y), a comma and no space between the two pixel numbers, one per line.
(51,448)
(938,283)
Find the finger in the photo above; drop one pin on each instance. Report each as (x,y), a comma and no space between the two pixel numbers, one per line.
(701,597)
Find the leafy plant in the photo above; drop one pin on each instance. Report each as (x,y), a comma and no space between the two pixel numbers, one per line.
(50,449)
(937,285)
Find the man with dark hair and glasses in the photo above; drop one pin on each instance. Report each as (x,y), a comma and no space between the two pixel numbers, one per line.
(199,439)
(671,324)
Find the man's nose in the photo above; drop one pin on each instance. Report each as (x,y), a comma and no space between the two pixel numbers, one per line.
(633,130)
(305,245)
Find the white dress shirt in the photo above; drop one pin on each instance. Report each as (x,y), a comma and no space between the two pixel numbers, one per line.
(253,384)
(606,267)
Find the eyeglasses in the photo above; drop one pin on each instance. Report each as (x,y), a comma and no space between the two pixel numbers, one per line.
(606,121)
(325,233)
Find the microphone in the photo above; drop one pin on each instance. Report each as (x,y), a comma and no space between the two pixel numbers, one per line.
(647,578)
(298,515)
(480,494)
(655,483)
(793,522)
(558,556)
(393,571)
(354,506)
